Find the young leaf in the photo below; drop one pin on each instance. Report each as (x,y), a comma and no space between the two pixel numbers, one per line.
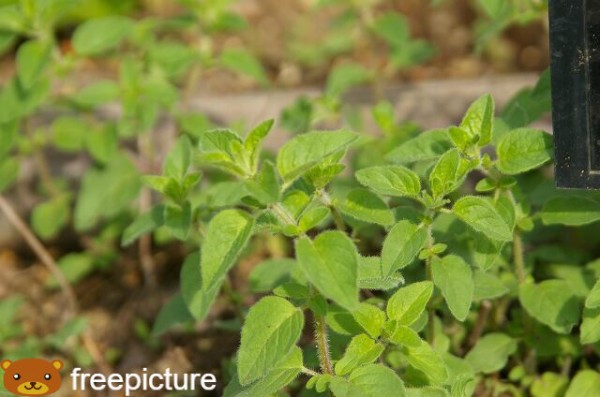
(305,151)
(552,303)
(391,180)
(96,94)
(48,218)
(313,218)
(407,304)
(361,350)
(178,220)
(100,35)
(32,58)
(201,278)
(371,318)
(264,187)
(593,299)
(9,171)
(244,62)
(590,327)
(277,378)
(585,383)
(480,214)
(372,276)
(178,160)
(253,141)
(330,263)
(143,224)
(373,380)
(571,211)
(366,206)
(487,286)
(478,121)
(523,149)
(448,174)
(428,145)
(271,330)
(455,279)
(401,246)
(68,133)
(402,335)
(428,361)
(343,77)
(172,313)
(491,353)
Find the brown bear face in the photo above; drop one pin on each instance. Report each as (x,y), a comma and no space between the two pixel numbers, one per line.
(32,376)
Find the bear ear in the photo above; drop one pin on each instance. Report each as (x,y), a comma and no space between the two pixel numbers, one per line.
(57,364)
(5,364)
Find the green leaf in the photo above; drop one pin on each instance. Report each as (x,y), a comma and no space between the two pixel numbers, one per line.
(455,279)
(480,214)
(523,149)
(393,28)
(590,327)
(428,361)
(407,304)
(585,383)
(366,206)
(402,335)
(401,246)
(487,286)
(100,35)
(372,276)
(264,187)
(279,377)
(178,160)
(361,350)
(570,211)
(305,151)
(106,192)
(174,312)
(391,180)
(491,353)
(143,224)
(448,174)
(244,62)
(549,385)
(313,218)
(343,77)
(428,145)
(552,303)
(593,299)
(373,380)
(32,59)
(254,140)
(371,318)
(268,275)
(201,278)
(74,266)
(271,330)
(478,121)
(48,218)
(178,220)
(68,133)
(330,262)
(9,171)
(95,94)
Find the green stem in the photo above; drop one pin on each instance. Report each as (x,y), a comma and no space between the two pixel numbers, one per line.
(518,257)
(323,344)
(337,217)
(430,308)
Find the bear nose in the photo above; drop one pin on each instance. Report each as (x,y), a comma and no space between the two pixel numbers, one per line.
(33,384)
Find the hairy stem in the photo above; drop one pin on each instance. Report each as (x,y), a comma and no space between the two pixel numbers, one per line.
(321,338)
(430,308)
(145,203)
(518,257)
(337,217)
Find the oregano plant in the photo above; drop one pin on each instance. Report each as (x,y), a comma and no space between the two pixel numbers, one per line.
(408,278)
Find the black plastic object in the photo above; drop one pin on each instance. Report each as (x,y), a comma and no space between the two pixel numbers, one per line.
(575,48)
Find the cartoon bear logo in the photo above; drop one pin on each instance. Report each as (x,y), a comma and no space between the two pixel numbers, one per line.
(32,376)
